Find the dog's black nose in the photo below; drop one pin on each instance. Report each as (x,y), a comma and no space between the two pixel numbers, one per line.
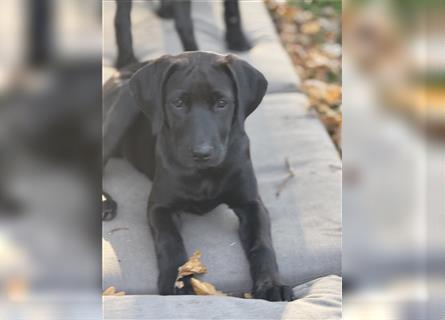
(202,152)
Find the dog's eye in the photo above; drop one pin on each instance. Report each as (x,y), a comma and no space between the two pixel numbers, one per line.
(178,103)
(220,103)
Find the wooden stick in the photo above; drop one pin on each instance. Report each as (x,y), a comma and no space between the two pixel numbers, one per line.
(290,175)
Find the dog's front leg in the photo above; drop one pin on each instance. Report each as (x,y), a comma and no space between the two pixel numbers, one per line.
(170,250)
(256,239)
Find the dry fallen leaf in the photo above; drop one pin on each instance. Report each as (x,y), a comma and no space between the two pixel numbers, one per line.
(202,288)
(111,291)
(311,27)
(333,94)
(192,266)
(288,12)
(316,59)
(248,295)
(319,91)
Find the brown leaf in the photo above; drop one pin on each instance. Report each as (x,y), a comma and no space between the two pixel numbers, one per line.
(318,59)
(248,295)
(320,91)
(288,12)
(202,288)
(192,266)
(311,27)
(333,94)
(111,291)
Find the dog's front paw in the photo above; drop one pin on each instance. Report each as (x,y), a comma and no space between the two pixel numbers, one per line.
(273,291)
(183,286)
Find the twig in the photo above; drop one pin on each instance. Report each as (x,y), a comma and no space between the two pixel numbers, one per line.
(117,229)
(290,175)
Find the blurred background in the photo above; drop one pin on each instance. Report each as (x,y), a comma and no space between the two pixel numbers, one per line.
(50,159)
(393,159)
(382,99)
(388,123)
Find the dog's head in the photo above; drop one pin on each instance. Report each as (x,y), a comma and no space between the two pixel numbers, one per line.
(195,99)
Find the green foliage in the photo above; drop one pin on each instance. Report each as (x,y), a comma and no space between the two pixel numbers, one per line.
(434,79)
(316,6)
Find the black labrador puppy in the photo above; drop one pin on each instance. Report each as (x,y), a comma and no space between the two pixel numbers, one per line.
(180,11)
(190,140)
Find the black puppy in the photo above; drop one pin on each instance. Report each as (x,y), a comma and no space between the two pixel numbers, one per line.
(190,140)
(180,11)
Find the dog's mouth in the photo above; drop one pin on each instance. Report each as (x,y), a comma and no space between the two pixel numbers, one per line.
(202,165)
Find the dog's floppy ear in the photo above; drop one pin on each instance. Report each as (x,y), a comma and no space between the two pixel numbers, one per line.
(146,86)
(250,83)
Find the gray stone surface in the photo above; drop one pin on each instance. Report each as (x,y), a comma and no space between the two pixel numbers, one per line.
(306,217)
(318,299)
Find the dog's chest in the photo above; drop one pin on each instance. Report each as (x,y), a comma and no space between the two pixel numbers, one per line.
(202,196)
(204,190)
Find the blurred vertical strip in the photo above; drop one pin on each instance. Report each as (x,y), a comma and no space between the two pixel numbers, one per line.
(394,159)
(39,27)
(50,159)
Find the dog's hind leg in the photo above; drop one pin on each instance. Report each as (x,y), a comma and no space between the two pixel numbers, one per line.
(124,39)
(235,38)
(184,24)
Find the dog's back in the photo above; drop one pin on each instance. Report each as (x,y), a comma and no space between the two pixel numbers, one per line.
(127,129)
